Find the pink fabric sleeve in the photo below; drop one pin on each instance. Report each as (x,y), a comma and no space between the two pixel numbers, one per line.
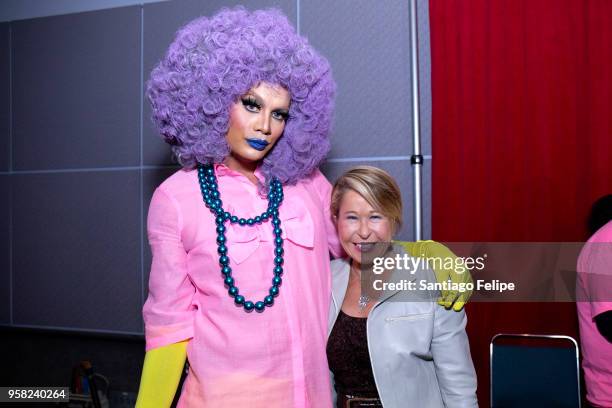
(324,189)
(168,312)
(599,274)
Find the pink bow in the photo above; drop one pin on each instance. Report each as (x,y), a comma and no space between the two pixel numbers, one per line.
(296,223)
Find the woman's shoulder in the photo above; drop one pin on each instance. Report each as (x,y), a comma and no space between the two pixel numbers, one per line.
(339,267)
(339,264)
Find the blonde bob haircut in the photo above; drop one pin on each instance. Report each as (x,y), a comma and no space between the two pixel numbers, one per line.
(376,186)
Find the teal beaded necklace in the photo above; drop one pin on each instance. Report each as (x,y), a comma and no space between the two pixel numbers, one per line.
(212,199)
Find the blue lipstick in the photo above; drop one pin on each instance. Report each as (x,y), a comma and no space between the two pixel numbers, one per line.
(257,144)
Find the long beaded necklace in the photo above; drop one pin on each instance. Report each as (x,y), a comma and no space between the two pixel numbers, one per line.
(212,199)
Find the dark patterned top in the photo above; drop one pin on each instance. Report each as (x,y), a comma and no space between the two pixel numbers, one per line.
(349,359)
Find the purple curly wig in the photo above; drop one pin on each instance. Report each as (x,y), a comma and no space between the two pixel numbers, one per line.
(214,61)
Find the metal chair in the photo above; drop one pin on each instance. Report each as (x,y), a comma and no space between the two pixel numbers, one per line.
(531,370)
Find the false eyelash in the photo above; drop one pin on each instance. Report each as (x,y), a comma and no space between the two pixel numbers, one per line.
(285,115)
(250,101)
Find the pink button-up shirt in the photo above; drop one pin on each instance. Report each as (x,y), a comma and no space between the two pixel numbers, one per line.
(238,359)
(594,283)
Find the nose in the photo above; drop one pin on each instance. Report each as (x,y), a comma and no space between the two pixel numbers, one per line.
(364,229)
(263,123)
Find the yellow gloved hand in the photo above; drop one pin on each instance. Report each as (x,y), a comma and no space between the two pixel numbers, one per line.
(432,249)
(161,374)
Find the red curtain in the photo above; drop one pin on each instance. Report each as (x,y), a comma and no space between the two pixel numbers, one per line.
(522,108)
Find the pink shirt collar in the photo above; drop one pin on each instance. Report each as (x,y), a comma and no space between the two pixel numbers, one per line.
(222,170)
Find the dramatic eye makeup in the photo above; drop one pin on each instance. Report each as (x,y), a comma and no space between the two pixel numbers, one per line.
(250,103)
(253,104)
(280,114)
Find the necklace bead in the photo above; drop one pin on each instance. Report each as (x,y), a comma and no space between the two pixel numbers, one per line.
(212,200)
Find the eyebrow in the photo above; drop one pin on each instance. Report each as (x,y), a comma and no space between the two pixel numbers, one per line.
(260,101)
(349,212)
(369,213)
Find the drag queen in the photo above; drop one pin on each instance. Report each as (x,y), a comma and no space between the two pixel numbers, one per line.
(240,236)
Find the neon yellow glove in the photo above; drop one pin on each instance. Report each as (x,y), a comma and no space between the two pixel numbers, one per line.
(161,374)
(432,249)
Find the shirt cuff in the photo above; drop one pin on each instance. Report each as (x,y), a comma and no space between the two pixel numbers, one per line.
(159,336)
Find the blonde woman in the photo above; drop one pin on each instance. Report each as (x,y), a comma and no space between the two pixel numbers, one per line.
(383,352)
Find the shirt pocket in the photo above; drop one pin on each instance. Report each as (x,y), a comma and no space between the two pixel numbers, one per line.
(409,334)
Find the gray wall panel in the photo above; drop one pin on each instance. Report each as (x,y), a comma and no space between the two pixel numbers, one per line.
(21,9)
(77,92)
(5,271)
(367,44)
(77,250)
(4,97)
(401,172)
(161,21)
